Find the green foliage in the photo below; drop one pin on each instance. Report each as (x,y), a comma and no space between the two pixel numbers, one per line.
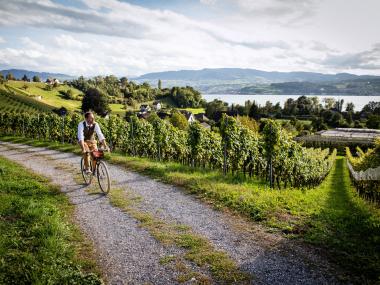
(186,97)
(36,78)
(38,243)
(179,121)
(237,149)
(96,101)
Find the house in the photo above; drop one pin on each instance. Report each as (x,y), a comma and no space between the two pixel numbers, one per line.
(189,116)
(52,81)
(144,108)
(157,105)
(144,115)
(205,125)
(201,117)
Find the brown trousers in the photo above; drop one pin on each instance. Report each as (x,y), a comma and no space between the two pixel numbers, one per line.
(89,146)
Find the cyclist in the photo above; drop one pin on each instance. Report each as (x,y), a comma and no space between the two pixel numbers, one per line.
(86,138)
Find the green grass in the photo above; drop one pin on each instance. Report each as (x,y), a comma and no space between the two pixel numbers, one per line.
(331,216)
(194,110)
(16,102)
(118,109)
(51,97)
(38,242)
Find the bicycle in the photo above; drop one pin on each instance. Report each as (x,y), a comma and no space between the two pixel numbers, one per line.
(100,170)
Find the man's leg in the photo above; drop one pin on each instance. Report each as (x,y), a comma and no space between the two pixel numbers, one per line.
(92,146)
(86,157)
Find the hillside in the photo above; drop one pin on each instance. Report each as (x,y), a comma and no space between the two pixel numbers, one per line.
(36,93)
(19,73)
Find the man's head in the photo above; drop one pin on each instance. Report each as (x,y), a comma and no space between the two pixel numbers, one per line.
(89,117)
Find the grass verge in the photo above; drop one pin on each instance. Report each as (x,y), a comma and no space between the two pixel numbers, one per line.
(38,242)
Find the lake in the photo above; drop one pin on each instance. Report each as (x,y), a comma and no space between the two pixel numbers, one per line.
(359,101)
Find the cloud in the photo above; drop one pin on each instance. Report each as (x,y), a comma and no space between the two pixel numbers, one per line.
(289,11)
(208,2)
(2,40)
(68,41)
(116,37)
(369,59)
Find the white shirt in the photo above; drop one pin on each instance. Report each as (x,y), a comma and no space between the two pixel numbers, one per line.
(81,131)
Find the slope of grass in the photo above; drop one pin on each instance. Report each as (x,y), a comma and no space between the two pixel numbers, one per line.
(50,97)
(13,102)
(117,109)
(8,104)
(38,242)
(331,216)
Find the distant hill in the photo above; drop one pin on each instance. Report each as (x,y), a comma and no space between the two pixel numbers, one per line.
(19,73)
(230,80)
(248,75)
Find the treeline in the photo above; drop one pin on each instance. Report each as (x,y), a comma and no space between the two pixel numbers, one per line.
(361,87)
(124,91)
(271,155)
(330,113)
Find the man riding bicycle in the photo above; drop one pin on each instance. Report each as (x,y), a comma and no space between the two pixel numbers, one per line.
(86,138)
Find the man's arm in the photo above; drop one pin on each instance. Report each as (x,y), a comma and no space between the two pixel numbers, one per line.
(100,135)
(81,136)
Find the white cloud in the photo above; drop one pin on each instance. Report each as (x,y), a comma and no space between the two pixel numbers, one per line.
(121,38)
(208,2)
(2,40)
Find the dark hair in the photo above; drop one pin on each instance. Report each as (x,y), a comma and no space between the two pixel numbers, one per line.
(88,114)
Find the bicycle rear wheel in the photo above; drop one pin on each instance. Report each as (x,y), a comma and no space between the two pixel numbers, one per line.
(103,177)
(87,177)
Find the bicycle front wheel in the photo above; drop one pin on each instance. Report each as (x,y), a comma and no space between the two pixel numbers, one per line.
(103,177)
(87,177)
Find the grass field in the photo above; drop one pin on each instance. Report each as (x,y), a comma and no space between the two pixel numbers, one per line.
(194,110)
(38,242)
(51,97)
(331,216)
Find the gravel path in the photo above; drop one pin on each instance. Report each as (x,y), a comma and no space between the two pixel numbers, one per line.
(132,255)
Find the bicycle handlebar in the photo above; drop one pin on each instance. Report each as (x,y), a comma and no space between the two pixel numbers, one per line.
(100,149)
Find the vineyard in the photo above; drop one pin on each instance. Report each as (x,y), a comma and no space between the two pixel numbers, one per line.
(364,169)
(14,102)
(272,156)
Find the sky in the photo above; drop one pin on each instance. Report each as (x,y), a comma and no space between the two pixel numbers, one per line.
(130,37)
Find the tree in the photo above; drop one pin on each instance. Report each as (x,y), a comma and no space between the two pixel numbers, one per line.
(350,107)
(254,111)
(36,78)
(339,105)
(159,84)
(25,78)
(179,120)
(1,78)
(215,108)
(95,100)
(373,122)
(10,76)
(249,123)
(329,103)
